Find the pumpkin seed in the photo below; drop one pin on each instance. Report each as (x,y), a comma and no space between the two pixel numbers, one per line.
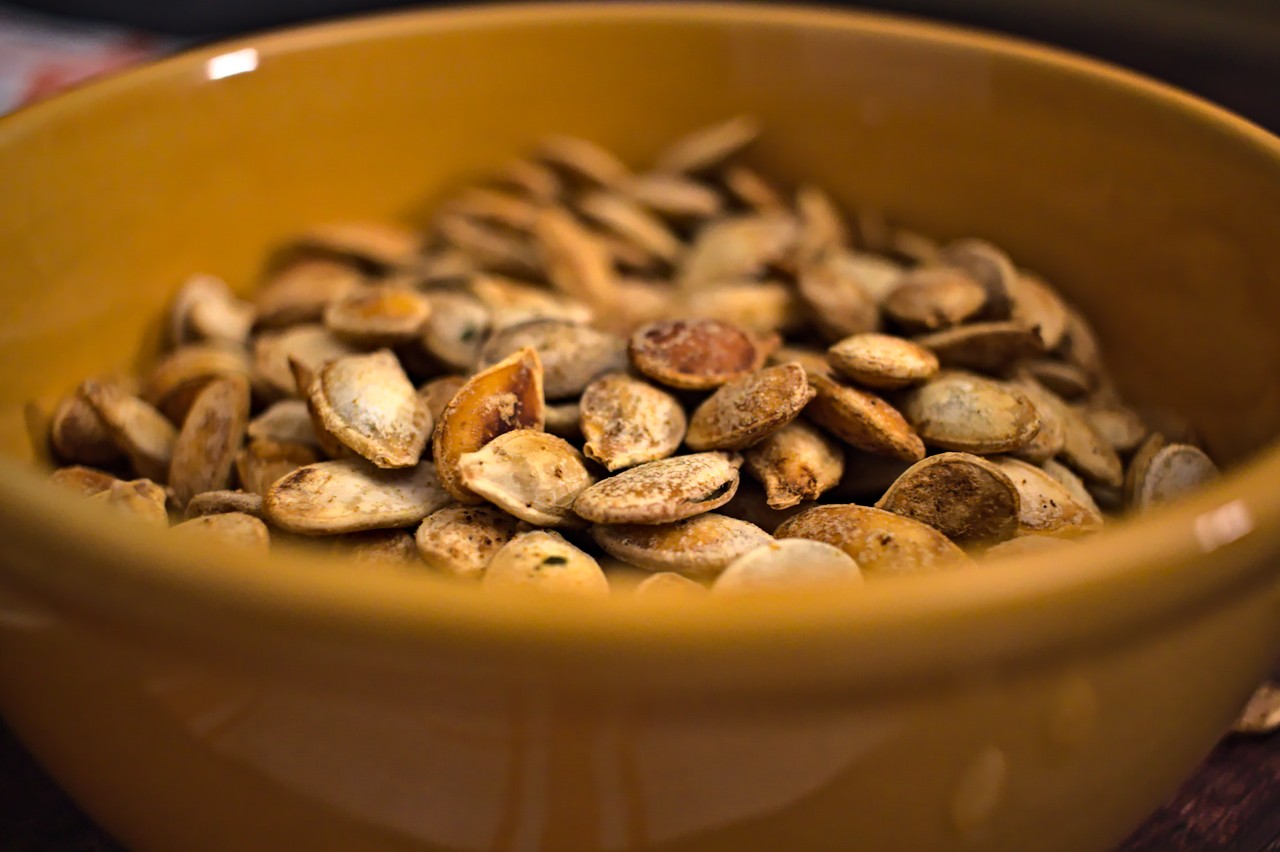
(822,228)
(85,481)
(369,404)
(627,422)
(1073,483)
(545,562)
(77,433)
(674,196)
(219,502)
(1066,380)
(663,491)
(584,161)
(300,291)
(174,382)
(532,475)
(787,564)
(209,439)
(708,147)
(351,495)
(572,354)
(488,246)
(1083,449)
(696,354)
(750,188)
(697,547)
(1052,437)
(206,309)
(794,464)
(140,431)
(437,393)
(881,543)
(393,548)
(990,267)
(1119,426)
(506,209)
(232,528)
(460,541)
(263,462)
(814,361)
(1047,506)
(668,584)
(756,306)
(378,315)
(988,347)
(965,497)
(140,498)
(577,263)
(378,244)
(862,420)
(882,361)
(531,178)
(838,302)
(1038,307)
(934,298)
(288,421)
(914,247)
(1170,472)
(631,222)
(1262,714)
(968,413)
(512,302)
(735,248)
(456,328)
(746,410)
(310,346)
(503,397)
(1080,346)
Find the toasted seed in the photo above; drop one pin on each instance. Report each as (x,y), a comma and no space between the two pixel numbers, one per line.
(735,248)
(209,439)
(378,243)
(442,266)
(385,548)
(709,146)
(378,315)
(914,247)
(662,491)
(1073,483)
(219,502)
(748,409)
(237,529)
(506,209)
(1037,306)
(631,222)
(563,419)
(822,228)
(140,498)
(1047,506)
(369,404)
(990,267)
(787,564)
(1083,449)
(512,302)
(697,354)
(584,160)
(881,543)
(531,178)
(78,434)
(1025,545)
(1119,426)
(577,263)
(697,547)
(351,495)
(837,300)
(456,328)
(300,291)
(873,230)
(989,347)
(206,309)
(175,380)
(638,301)
(795,463)
(140,431)
(934,298)
(503,397)
(85,481)
(1066,380)
(572,354)
(488,246)
(1170,472)
(877,273)
(461,540)
(288,420)
(965,497)
(758,306)
(674,196)
(1262,714)
(863,420)
(311,346)
(968,413)
(532,475)
(437,393)
(882,361)
(814,361)
(1080,346)
(750,188)
(627,422)
(1052,437)
(263,462)
(668,584)
(544,561)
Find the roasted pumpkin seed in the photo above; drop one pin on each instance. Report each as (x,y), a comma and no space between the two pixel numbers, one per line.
(460,541)
(378,315)
(746,410)
(881,543)
(512,302)
(545,562)
(627,422)
(263,462)
(1047,506)
(663,491)
(236,529)
(288,421)
(140,431)
(218,502)
(668,584)
(862,420)
(965,497)
(351,495)
(838,302)
(572,354)
(140,498)
(674,196)
(77,433)
(1172,471)
(369,404)
(310,346)
(788,564)
(989,347)
(708,147)
(85,481)
(584,160)
(796,463)
(990,267)
(174,382)
(209,439)
(968,413)
(696,354)
(934,298)
(300,291)
(697,547)
(205,309)
(735,248)
(882,361)
(532,475)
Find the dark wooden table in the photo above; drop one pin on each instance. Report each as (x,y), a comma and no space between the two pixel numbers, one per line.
(1231,804)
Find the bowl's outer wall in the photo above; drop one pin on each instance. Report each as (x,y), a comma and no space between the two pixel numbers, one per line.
(1158,221)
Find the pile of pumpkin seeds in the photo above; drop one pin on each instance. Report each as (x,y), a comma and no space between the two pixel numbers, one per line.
(579,366)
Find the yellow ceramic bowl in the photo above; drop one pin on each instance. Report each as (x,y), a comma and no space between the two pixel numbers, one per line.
(199,701)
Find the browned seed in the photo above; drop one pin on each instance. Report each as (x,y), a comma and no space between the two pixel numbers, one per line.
(735,248)
(1066,380)
(709,146)
(577,263)
(504,397)
(757,306)
(506,209)
(674,196)
(1052,437)
(544,562)
(1083,449)
(968,413)
(882,543)
(1080,346)
(1073,483)
(376,548)
(300,291)
(489,247)
(378,243)
(288,420)
(822,227)
(572,354)
(532,475)
(140,431)
(1262,714)
(1037,306)
(873,229)
(1047,506)
(218,502)
(813,360)
(437,393)
(236,529)
(746,410)
(627,421)
(989,347)
(461,540)
(512,302)
(933,298)
(456,328)
(378,315)
(787,564)
(140,498)
(752,190)
(697,547)
(263,462)
(206,309)
(1171,472)
(668,584)
(584,160)
(862,420)
(78,434)
(1120,426)
(914,247)
(965,497)
(333,497)
(85,481)
(1025,545)
(838,302)
(173,383)
(368,403)
(882,361)
(1139,464)
(209,439)
(310,346)
(697,354)
(529,177)
(796,463)
(990,267)
(662,491)
(446,265)
(629,221)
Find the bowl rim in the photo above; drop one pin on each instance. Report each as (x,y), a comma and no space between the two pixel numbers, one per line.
(308,613)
